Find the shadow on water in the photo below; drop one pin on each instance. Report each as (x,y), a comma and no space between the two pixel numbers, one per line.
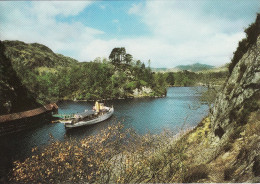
(18,146)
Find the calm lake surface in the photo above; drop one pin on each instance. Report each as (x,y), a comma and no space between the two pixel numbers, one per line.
(180,108)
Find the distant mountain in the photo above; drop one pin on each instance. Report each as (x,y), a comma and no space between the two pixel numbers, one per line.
(159,69)
(195,67)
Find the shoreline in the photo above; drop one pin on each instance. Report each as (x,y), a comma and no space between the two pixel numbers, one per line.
(108,99)
(127,97)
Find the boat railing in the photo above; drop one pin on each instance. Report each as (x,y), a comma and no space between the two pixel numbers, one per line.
(64,116)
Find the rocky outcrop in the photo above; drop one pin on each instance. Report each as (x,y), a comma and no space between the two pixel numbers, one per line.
(240,94)
(234,135)
(144,91)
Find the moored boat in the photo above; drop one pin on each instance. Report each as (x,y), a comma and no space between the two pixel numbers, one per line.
(98,114)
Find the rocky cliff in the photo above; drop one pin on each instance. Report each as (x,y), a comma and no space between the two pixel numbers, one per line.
(235,120)
(227,143)
(240,94)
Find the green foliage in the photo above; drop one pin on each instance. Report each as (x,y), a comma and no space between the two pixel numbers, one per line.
(118,55)
(34,55)
(128,58)
(14,96)
(187,78)
(184,78)
(52,77)
(143,83)
(170,78)
(131,85)
(252,32)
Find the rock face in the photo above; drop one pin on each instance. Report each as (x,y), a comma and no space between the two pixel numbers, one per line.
(240,94)
(145,91)
(234,135)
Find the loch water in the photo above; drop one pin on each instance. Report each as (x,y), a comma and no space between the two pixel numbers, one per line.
(180,108)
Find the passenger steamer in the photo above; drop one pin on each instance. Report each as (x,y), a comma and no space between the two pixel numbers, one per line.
(89,117)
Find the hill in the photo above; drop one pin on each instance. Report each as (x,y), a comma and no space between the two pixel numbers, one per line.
(51,77)
(14,96)
(223,68)
(34,55)
(159,69)
(195,67)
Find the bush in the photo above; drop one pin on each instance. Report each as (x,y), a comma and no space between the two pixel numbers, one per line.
(131,85)
(252,32)
(114,155)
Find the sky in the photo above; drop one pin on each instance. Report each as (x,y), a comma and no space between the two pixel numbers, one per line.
(166,32)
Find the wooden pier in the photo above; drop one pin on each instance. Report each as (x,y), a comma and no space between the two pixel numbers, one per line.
(15,122)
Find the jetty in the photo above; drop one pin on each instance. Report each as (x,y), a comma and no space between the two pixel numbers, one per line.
(14,122)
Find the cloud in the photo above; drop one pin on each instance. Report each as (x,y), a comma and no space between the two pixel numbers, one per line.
(181,33)
(37,22)
(188,33)
(53,8)
(177,32)
(135,8)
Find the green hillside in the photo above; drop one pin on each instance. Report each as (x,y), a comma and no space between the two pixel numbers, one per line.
(34,55)
(51,77)
(14,96)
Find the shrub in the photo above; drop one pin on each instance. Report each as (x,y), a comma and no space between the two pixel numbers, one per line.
(252,32)
(114,155)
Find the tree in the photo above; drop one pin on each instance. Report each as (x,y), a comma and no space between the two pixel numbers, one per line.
(170,78)
(122,54)
(143,66)
(105,60)
(149,63)
(138,63)
(97,60)
(113,56)
(117,55)
(128,58)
